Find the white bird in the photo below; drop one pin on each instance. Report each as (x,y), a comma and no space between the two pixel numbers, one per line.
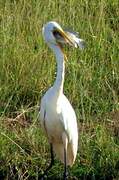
(57,116)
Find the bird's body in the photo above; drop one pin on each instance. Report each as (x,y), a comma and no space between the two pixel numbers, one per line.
(57,116)
(57,122)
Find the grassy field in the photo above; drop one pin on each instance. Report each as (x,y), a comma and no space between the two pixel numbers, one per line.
(27,70)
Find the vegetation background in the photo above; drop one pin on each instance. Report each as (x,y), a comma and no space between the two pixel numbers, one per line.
(27,70)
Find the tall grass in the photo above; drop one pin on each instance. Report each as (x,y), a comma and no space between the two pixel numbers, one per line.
(27,70)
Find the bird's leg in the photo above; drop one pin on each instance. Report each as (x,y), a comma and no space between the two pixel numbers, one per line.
(51,163)
(65,142)
(52,158)
(65,164)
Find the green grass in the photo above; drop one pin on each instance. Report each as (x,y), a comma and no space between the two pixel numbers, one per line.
(27,70)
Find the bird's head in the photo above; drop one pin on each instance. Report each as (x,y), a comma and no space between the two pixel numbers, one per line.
(54,34)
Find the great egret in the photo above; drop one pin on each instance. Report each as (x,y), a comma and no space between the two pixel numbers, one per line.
(57,116)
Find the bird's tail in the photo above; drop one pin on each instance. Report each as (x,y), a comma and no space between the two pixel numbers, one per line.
(71,153)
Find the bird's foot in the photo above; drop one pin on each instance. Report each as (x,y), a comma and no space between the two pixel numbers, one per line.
(65,176)
(43,176)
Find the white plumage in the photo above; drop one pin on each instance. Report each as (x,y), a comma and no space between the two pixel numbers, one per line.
(57,116)
(60,119)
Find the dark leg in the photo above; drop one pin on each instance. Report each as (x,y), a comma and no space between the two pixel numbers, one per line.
(65,165)
(52,158)
(51,163)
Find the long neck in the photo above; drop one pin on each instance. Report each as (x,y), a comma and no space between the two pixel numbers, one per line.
(59,82)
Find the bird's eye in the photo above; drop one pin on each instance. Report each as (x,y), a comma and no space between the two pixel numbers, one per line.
(56,34)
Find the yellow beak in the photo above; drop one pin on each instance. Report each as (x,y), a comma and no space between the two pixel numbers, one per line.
(66,37)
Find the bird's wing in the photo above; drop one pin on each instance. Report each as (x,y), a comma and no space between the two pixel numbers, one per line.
(75,37)
(71,32)
(68,118)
